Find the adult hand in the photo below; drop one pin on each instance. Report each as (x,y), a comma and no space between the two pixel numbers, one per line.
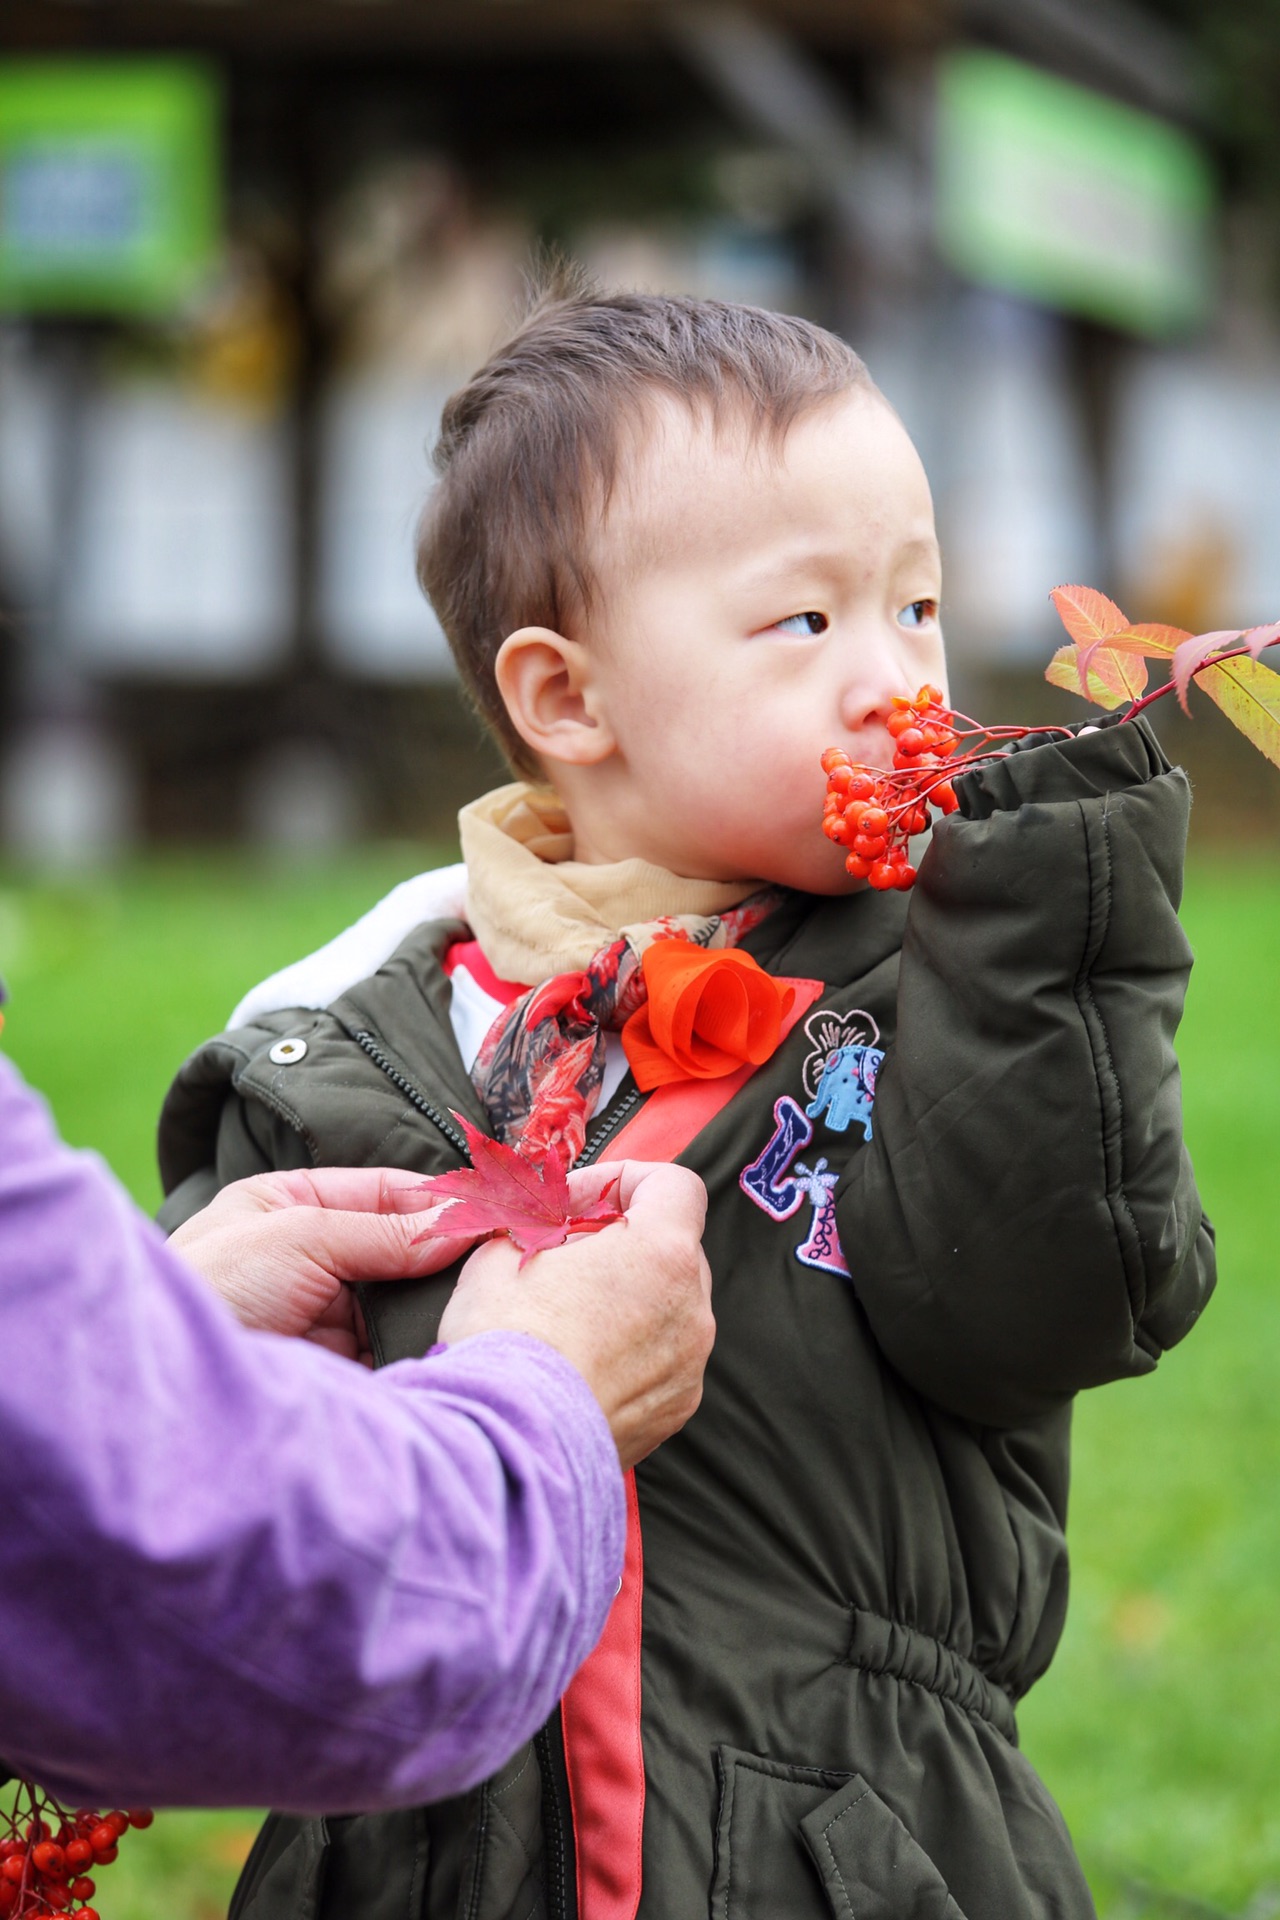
(630,1306)
(280,1247)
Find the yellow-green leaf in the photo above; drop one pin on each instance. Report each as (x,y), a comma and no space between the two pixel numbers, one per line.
(1249,695)
(1109,679)
(1191,655)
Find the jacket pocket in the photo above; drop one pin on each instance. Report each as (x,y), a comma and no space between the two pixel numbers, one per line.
(870,1866)
(815,1843)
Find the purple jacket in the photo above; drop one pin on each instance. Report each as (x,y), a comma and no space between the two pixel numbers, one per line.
(235,1569)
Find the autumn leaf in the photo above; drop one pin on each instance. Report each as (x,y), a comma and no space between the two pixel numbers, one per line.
(1107,678)
(1151,638)
(1259,638)
(1191,655)
(1087,615)
(504,1192)
(1096,666)
(1195,649)
(1249,695)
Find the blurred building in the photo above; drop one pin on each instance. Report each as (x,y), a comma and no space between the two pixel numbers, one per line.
(208,489)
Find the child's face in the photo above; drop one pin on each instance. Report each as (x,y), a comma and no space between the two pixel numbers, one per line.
(756,605)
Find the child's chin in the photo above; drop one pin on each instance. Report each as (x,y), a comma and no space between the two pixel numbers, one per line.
(826,878)
(839,883)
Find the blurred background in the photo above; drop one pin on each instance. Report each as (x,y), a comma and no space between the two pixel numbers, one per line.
(247,247)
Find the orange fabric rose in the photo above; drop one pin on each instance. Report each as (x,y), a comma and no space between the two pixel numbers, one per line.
(707,1014)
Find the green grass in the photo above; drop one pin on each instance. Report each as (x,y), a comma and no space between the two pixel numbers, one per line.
(1159,1725)
(113,982)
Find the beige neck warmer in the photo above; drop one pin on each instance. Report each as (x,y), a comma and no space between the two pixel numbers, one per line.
(537,911)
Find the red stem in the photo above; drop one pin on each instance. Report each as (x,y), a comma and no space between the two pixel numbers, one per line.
(962,763)
(998,733)
(1170,686)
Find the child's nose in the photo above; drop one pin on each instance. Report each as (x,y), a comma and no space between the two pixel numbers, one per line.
(878,666)
(866,699)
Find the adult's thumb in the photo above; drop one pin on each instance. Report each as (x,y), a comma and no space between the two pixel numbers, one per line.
(653,1193)
(370,1246)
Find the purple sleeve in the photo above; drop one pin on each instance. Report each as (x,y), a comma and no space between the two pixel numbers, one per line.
(237,1570)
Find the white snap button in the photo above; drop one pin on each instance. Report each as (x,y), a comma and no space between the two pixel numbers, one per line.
(286,1052)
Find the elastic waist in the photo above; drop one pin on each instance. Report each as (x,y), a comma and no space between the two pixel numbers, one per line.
(881,1646)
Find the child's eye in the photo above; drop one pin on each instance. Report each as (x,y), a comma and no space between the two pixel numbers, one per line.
(916,614)
(802,623)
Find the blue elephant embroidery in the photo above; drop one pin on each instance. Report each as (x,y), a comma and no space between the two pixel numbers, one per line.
(847,1089)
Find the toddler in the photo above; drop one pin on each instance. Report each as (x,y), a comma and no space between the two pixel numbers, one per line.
(680,548)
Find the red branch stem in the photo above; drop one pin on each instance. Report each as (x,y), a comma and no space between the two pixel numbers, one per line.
(1169,686)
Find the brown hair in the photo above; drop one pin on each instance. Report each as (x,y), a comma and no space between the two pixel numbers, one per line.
(529,448)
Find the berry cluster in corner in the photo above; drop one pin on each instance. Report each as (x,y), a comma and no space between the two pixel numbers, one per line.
(873,811)
(46,1854)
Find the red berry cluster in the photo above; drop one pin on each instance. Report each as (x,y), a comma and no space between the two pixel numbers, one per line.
(46,1854)
(873,811)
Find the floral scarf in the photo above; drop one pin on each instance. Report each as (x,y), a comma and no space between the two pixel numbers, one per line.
(579,932)
(541,1064)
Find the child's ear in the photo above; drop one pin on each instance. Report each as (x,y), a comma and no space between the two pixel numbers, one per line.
(549,688)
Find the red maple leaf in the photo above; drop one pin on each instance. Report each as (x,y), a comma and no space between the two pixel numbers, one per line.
(503,1192)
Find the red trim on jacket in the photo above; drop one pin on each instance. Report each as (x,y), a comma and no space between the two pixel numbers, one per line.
(600,1720)
(600,1712)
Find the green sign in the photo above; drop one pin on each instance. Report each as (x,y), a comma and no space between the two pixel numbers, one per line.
(1051,191)
(109,184)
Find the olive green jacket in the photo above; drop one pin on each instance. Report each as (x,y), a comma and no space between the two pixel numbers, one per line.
(854,1559)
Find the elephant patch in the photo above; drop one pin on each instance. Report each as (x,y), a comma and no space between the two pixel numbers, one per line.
(841,1070)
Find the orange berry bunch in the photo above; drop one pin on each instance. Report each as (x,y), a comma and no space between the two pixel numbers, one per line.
(45,1862)
(874,811)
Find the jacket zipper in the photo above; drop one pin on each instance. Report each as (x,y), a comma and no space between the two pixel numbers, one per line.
(559,1838)
(601,1139)
(589,1153)
(557,1824)
(410,1092)
(561,1893)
